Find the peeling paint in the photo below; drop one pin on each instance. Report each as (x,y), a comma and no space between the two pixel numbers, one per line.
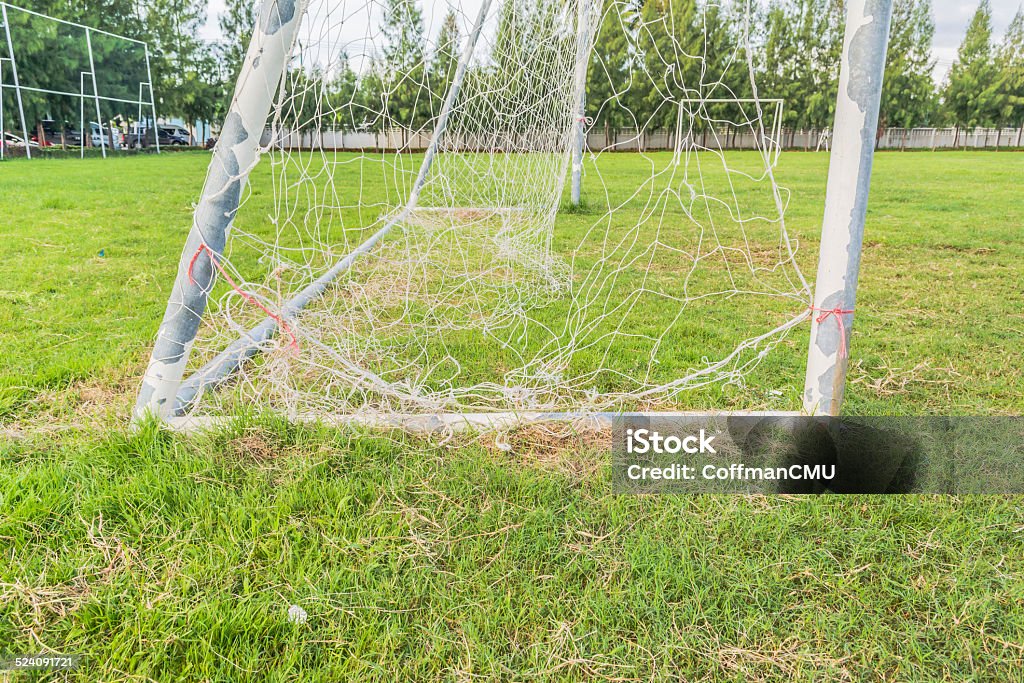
(828,338)
(222,192)
(276,17)
(865,76)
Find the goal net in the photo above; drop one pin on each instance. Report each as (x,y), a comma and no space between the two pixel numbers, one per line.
(407,243)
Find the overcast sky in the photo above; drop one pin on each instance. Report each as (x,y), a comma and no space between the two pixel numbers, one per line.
(951,19)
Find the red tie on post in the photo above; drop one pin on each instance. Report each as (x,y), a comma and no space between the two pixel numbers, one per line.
(241,292)
(838,313)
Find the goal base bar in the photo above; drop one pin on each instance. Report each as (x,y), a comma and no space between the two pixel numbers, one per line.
(469,422)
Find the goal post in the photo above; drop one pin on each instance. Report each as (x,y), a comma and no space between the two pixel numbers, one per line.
(233,158)
(379,296)
(846,200)
(579,144)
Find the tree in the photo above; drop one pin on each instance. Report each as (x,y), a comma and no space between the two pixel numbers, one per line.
(667,73)
(611,71)
(800,64)
(342,86)
(823,28)
(779,62)
(972,94)
(200,97)
(1010,61)
(116,16)
(723,69)
(445,60)
(722,73)
(532,37)
(402,73)
(236,23)
(179,58)
(908,91)
(507,77)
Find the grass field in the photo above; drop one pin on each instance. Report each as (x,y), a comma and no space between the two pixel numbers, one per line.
(161,557)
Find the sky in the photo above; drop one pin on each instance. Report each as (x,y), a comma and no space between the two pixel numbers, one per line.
(951,19)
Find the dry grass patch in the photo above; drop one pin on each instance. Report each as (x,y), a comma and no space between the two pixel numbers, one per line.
(578,449)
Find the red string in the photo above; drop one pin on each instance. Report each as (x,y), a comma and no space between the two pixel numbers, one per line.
(241,292)
(838,313)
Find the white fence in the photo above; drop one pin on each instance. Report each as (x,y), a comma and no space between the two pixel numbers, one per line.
(395,138)
(813,139)
(631,141)
(944,138)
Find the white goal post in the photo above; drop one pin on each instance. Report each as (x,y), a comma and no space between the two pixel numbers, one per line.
(457,147)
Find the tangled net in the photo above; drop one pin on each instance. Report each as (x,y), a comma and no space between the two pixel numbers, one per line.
(487,291)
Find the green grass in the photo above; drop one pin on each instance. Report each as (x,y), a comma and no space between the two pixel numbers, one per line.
(938,305)
(169,558)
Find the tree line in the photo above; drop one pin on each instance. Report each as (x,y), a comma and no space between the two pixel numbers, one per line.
(795,47)
(649,54)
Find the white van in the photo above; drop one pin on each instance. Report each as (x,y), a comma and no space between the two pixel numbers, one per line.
(178,131)
(99,138)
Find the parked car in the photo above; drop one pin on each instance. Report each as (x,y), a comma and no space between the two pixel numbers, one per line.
(52,132)
(103,137)
(138,137)
(36,142)
(174,130)
(168,137)
(12,140)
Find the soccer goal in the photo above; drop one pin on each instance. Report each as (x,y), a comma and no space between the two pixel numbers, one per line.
(75,80)
(387,234)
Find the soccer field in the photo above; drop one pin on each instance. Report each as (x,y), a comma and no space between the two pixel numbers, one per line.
(171,557)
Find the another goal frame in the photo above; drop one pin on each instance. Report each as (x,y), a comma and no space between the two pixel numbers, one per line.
(166,394)
(89,75)
(772,137)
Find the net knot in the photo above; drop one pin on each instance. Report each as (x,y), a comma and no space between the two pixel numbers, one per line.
(838,312)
